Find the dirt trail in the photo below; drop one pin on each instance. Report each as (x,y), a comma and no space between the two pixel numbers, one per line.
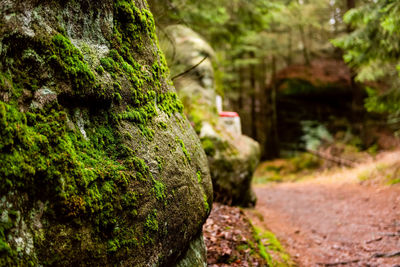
(334,224)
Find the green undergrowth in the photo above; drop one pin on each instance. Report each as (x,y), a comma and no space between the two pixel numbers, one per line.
(263,244)
(303,87)
(287,169)
(381,172)
(270,249)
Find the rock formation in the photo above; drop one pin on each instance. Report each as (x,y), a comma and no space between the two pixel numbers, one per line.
(98,164)
(232,157)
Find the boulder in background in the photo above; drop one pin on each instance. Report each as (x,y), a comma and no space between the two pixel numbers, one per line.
(232,157)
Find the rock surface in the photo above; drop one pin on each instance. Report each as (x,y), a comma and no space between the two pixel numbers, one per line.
(232,157)
(196,255)
(98,164)
(232,160)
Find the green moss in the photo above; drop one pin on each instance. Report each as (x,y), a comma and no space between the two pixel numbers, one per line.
(160,161)
(72,63)
(266,243)
(205,203)
(159,190)
(198,174)
(150,226)
(116,65)
(7,222)
(85,175)
(113,245)
(117,97)
(169,103)
(100,70)
(130,25)
(184,150)
(141,117)
(109,65)
(138,164)
(208,146)
(143,174)
(40,156)
(162,125)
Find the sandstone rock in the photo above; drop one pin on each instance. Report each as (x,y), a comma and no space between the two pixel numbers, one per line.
(42,98)
(98,164)
(232,158)
(190,49)
(196,255)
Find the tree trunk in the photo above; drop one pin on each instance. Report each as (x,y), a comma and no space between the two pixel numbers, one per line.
(270,116)
(263,99)
(241,86)
(350,4)
(358,112)
(303,41)
(290,44)
(274,109)
(253,98)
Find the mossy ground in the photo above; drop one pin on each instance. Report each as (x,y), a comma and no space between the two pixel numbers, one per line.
(239,242)
(270,249)
(287,169)
(387,173)
(265,244)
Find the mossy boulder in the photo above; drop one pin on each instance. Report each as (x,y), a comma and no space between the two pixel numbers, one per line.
(232,160)
(232,157)
(98,164)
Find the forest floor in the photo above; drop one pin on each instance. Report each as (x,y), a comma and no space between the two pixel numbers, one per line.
(335,218)
(232,240)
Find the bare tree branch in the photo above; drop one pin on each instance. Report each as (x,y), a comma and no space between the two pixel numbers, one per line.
(190,69)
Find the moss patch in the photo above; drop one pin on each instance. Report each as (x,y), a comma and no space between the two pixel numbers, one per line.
(208,146)
(287,169)
(270,249)
(71,62)
(198,174)
(49,161)
(184,150)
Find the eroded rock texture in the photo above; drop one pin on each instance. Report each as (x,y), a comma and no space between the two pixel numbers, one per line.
(98,164)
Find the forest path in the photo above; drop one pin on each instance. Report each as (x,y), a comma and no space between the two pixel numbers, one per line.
(326,223)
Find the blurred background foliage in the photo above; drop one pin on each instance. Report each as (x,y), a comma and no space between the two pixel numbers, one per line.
(282,62)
